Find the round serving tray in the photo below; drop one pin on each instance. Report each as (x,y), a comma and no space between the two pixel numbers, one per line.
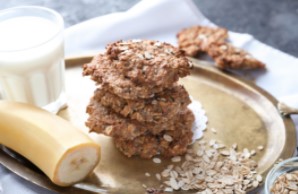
(241,112)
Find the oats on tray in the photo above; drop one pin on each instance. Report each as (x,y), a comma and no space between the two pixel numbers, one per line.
(138,101)
(207,170)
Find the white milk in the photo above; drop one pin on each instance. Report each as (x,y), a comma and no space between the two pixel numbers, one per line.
(31,64)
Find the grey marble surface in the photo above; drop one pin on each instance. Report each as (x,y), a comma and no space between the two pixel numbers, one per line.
(274,22)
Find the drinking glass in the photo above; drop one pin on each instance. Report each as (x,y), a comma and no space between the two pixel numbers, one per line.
(32,57)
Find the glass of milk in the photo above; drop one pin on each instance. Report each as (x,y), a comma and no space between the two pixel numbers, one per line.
(32,57)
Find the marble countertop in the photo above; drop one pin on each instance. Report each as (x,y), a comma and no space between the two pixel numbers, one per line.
(273,22)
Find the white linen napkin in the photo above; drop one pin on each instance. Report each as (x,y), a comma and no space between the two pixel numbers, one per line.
(161,20)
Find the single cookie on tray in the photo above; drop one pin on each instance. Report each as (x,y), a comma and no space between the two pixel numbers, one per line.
(104,120)
(167,143)
(160,108)
(142,67)
(212,40)
(196,39)
(226,56)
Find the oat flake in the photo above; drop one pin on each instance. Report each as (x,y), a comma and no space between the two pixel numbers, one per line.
(212,171)
(157,160)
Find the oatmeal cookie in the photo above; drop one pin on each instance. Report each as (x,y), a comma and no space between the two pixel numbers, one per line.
(161,108)
(196,39)
(135,69)
(227,56)
(104,120)
(118,83)
(167,143)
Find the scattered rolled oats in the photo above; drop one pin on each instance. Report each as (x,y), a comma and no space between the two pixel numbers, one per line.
(202,142)
(148,55)
(286,183)
(202,37)
(260,147)
(235,146)
(123,48)
(200,152)
(147,174)
(157,160)
(280,160)
(158,44)
(169,51)
(174,183)
(223,47)
(225,153)
(255,184)
(108,130)
(253,152)
(212,142)
(213,130)
(218,146)
(209,170)
(140,56)
(167,137)
(176,159)
(188,157)
(190,64)
(158,176)
(259,178)
(168,189)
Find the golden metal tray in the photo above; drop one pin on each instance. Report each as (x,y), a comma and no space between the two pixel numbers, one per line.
(241,112)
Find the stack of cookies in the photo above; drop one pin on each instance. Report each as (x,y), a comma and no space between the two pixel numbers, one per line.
(138,101)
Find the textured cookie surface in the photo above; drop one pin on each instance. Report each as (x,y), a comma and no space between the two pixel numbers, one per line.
(213,41)
(135,69)
(227,56)
(196,39)
(167,143)
(104,120)
(160,108)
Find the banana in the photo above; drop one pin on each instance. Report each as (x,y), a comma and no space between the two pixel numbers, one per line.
(65,154)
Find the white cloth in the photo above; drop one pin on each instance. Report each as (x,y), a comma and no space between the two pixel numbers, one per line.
(161,20)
